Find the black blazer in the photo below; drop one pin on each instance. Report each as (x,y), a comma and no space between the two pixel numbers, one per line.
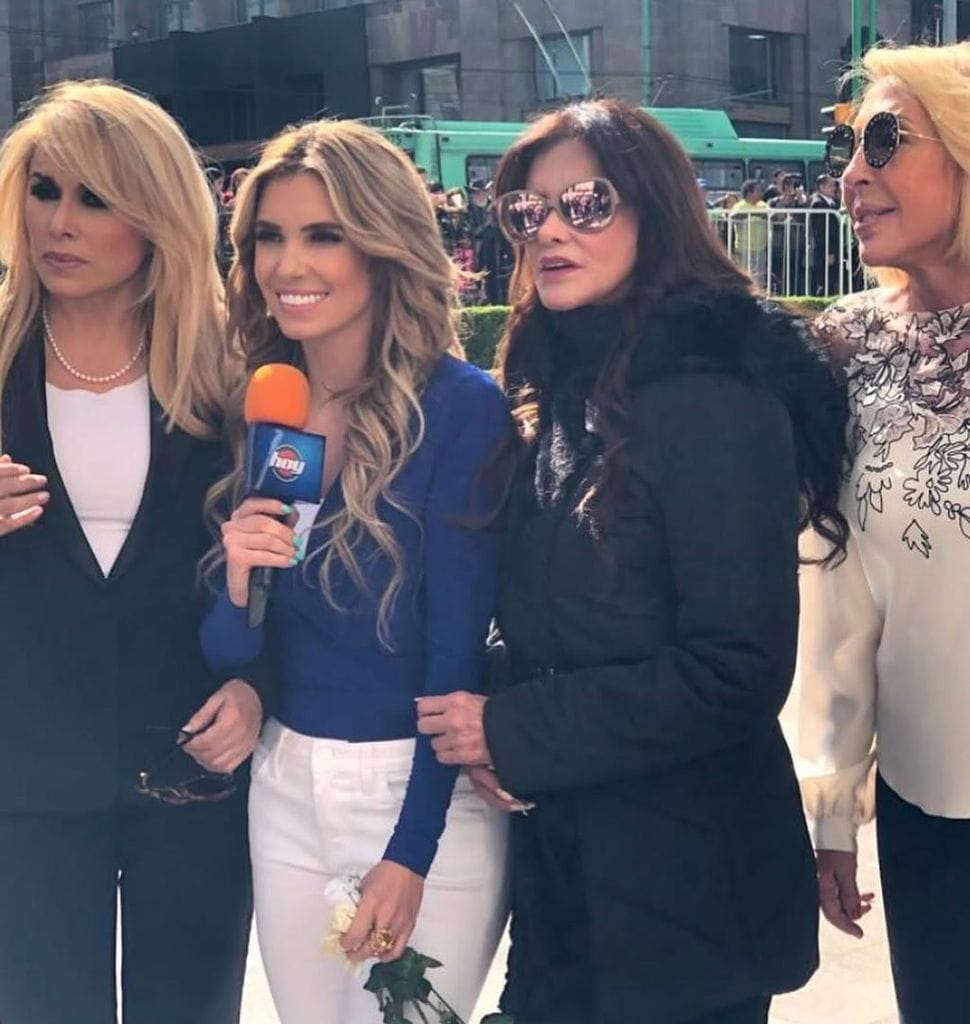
(645,673)
(89,663)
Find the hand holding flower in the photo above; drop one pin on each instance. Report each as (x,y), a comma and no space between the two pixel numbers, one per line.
(390,898)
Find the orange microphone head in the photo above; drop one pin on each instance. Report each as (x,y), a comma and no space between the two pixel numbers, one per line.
(278,393)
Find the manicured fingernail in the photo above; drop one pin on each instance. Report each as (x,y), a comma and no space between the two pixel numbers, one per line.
(286,509)
(295,560)
(506,796)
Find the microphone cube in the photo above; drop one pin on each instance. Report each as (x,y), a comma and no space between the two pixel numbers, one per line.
(283,463)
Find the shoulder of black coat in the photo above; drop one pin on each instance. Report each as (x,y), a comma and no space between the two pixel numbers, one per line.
(729,331)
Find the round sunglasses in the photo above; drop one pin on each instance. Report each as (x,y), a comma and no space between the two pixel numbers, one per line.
(586,206)
(880,141)
(176,779)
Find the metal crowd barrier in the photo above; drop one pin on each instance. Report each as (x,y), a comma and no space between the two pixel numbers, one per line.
(793,251)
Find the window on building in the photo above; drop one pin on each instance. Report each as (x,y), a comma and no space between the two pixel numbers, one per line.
(440,95)
(764,170)
(246,10)
(308,96)
(97,26)
(179,15)
(242,111)
(721,175)
(755,63)
(481,168)
(432,88)
(565,78)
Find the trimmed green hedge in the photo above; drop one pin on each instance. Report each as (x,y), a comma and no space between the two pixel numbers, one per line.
(481,330)
(482,326)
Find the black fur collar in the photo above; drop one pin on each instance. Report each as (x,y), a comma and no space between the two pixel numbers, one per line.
(699,330)
(726,331)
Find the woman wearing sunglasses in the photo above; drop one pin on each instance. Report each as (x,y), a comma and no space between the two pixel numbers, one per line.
(113,377)
(884,653)
(673,438)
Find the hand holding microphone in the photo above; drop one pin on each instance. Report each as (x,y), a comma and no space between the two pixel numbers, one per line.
(259,535)
(283,465)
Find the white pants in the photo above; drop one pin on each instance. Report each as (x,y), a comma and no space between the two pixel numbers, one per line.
(320,809)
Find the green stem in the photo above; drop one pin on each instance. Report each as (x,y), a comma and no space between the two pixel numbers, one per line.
(444,1003)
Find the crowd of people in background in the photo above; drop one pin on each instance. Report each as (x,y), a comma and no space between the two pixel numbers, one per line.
(473,239)
(790,242)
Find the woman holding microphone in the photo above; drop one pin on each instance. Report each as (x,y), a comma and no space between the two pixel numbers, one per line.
(383,591)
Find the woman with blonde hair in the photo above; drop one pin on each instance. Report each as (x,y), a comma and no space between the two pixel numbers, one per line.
(113,376)
(386,590)
(884,650)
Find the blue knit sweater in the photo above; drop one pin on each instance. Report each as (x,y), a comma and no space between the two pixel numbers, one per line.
(339,682)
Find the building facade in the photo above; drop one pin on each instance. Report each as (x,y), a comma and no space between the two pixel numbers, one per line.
(235,70)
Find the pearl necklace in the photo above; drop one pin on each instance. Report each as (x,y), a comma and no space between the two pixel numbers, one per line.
(87,377)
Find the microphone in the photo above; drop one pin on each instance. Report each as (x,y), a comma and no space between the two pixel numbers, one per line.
(282,460)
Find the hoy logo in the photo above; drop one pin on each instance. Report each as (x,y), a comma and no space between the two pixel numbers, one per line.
(287,463)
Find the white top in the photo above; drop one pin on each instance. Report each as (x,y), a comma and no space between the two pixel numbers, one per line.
(885,637)
(102,445)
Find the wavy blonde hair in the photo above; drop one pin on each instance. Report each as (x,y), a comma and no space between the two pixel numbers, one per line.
(939,78)
(386,213)
(132,155)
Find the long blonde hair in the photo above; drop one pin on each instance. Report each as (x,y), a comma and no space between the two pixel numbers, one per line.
(939,78)
(386,213)
(131,154)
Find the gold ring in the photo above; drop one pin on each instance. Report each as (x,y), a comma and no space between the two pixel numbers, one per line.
(381,942)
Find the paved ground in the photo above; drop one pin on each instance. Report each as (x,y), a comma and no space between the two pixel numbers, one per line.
(853,985)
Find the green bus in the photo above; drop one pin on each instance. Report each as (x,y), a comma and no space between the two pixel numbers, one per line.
(457,152)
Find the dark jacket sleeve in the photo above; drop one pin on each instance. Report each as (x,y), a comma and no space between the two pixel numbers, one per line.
(718,457)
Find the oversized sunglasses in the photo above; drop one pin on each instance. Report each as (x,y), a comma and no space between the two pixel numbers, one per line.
(176,779)
(880,141)
(586,206)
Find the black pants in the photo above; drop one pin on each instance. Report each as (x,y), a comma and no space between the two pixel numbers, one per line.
(186,902)
(751,1011)
(924,863)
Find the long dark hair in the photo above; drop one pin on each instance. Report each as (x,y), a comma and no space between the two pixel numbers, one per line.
(676,252)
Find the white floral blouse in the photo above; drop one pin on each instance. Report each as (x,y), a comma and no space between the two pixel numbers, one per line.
(884,645)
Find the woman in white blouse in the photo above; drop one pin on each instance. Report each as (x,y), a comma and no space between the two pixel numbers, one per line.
(113,374)
(884,662)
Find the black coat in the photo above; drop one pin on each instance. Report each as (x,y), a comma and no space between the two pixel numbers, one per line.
(666,870)
(89,663)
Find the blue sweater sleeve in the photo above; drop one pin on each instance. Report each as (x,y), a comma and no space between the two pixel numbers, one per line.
(227,641)
(460,585)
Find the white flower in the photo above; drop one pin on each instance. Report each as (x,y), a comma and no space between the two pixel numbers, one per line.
(343,894)
(340,921)
(343,889)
